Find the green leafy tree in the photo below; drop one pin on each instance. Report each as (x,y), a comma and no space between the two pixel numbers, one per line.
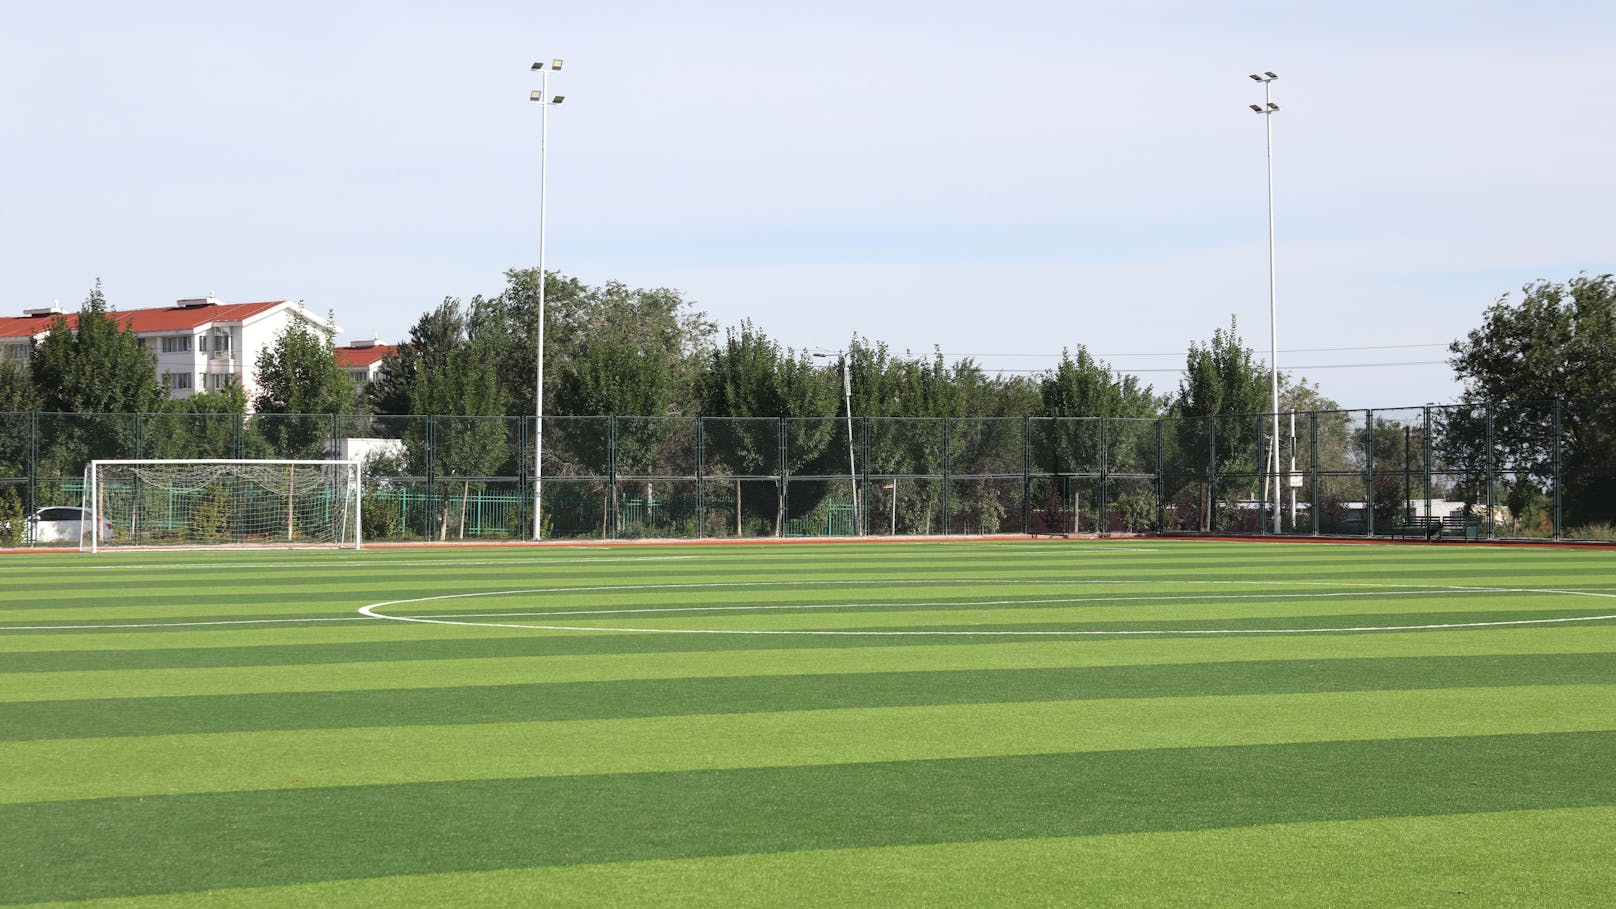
(205,425)
(1081,399)
(447,373)
(17,398)
(1557,342)
(300,386)
(749,376)
(99,373)
(1223,394)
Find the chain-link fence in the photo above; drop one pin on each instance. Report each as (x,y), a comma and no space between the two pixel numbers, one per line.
(1504,470)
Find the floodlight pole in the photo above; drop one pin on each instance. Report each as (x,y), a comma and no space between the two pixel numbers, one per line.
(847,402)
(1267,111)
(542,96)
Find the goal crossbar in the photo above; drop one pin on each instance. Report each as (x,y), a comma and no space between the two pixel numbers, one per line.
(213,502)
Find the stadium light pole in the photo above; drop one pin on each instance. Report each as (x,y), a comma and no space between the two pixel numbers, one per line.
(542,96)
(1267,111)
(847,401)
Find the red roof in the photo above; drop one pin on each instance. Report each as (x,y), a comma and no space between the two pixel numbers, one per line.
(364,356)
(12,327)
(162,318)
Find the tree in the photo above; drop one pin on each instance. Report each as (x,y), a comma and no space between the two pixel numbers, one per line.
(298,380)
(99,373)
(749,376)
(96,366)
(204,425)
(1557,343)
(1224,394)
(448,375)
(1080,399)
(592,336)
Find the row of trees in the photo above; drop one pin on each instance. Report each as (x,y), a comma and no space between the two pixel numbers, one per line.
(620,351)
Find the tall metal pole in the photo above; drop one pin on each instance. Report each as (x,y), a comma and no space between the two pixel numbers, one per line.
(542,96)
(852,465)
(1267,110)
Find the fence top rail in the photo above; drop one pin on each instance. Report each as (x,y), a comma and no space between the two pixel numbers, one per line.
(323,462)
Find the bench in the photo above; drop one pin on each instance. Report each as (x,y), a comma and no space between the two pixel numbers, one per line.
(1456,526)
(1461,527)
(1418,528)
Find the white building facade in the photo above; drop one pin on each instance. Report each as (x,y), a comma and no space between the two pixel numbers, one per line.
(201,344)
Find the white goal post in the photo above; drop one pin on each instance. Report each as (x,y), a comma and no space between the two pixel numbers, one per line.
(193,503)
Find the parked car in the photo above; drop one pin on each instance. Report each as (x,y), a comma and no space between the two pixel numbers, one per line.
(61,524)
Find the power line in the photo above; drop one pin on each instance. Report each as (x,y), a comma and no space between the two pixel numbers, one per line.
(1283,368)
(1050,356)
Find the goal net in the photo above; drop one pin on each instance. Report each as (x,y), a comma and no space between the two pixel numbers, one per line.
(198,503)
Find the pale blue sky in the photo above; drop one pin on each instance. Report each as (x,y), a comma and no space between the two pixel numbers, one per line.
(992,179)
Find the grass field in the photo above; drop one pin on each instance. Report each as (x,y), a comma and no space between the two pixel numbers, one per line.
(966,723)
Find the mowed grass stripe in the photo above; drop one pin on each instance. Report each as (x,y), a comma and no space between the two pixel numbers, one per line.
(24,721)
(269,669)
(215,762)
(119,847)
(1542,858)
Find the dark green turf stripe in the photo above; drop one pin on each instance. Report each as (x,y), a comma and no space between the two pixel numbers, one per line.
(519,644)
(673,697)
(115,847)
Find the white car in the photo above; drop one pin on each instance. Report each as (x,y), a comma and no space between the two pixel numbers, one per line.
(62,524)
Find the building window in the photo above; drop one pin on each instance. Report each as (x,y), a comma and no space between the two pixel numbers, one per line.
(220,342)
(176,343)
(219,380)
(176,381)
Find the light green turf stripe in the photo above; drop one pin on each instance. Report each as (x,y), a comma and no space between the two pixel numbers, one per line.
(55,769)
(169,682)
(1528,858)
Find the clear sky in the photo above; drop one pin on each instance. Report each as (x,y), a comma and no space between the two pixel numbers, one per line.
(993,179)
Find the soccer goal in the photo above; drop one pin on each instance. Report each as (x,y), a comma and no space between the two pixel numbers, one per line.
(203,503)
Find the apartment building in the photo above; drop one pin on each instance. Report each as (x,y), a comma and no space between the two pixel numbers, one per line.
(202,344)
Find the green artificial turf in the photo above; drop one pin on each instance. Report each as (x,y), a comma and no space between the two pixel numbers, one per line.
(318,757)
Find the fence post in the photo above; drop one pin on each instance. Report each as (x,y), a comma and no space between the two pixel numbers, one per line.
(1211,474)
(1313,464)
(1491,507)
(1161,481)
(1558,465)
(1369,473)
(864,475)
(431,479)
(33,462)
(783,490)
(1026,474)
(1105,479)
(701,489)
(1426,454)
(948,480)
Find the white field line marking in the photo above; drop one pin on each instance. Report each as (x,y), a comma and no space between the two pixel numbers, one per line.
(534,563)
(346,618)
(365,614)
(371,611)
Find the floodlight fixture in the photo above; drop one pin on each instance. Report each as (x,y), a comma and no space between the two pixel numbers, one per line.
(1254,76)
(556,65)
(1271,105)
(1255,107)
(560,98)
(539,96)
(1269,73)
